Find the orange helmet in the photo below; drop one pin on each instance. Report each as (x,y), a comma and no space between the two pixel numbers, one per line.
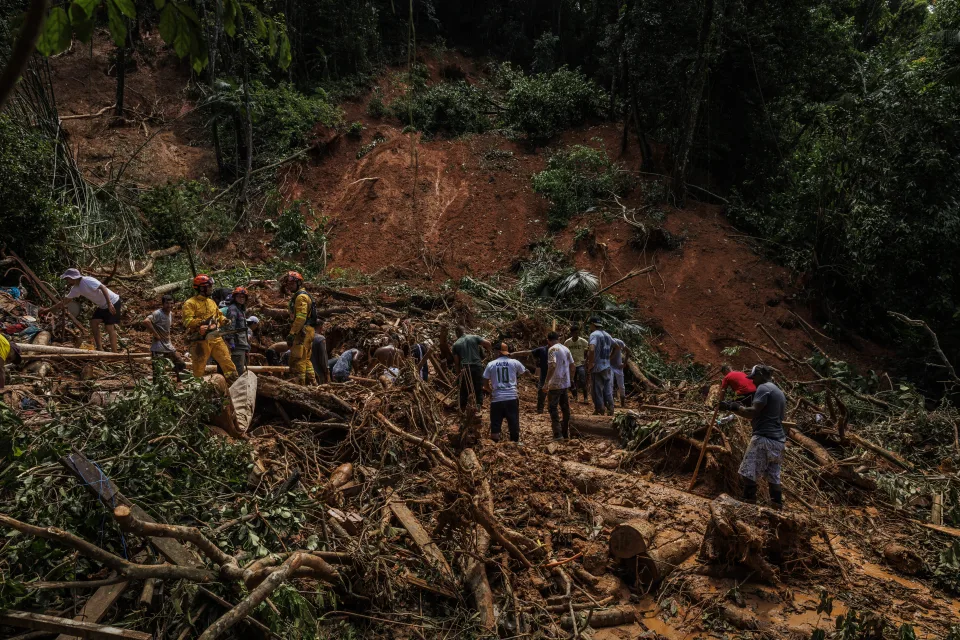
(202,280)
(293,275)
(240,291)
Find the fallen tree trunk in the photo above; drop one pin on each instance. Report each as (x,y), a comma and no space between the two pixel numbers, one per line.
(261,370)
(72,628)
(611,514)
(303,398)
(639,375)
(828,464)
(668,551)
(890,456)
(40,341)
(600,619)
(420,536)
(475,572)
(593,425)
(631,538)
(90,355)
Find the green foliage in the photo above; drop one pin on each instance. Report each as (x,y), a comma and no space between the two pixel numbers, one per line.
(545,52)
(177,213)
(32,218)
(378,138)
(294,237)
(355,130)
(542,105)
(576,179)
(375,107)
(450,108)
(283,117)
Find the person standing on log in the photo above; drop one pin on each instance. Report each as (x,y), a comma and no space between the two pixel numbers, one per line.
(577,345)
(108,306)
(303,315)
(765,452)
(540,360)
(159,323)
(468,363)
(200,316)
(560,371)
(500,381)
(600,375)
(238,339)
(617,360)
(739,383)
(9,353)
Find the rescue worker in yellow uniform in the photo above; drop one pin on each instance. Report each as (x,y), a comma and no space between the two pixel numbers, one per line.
(200,316)
(303,314)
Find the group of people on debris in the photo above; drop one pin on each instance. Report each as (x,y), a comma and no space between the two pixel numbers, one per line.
(591,365)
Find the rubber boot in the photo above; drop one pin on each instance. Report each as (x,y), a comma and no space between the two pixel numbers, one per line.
(749,491)
(776,496)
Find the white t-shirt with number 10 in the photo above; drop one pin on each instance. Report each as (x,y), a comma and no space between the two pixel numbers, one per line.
(502,374)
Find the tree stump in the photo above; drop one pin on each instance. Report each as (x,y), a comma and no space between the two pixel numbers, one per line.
(631,538)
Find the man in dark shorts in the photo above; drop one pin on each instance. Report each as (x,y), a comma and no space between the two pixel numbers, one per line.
(159,323)
(108,306)
(765,452)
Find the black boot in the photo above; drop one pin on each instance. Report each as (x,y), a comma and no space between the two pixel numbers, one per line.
(749,491)
(776,496)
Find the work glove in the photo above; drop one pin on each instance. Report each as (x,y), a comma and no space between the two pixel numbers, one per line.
(730,406)
(290,341)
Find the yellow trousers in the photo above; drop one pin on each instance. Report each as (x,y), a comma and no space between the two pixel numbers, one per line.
(200,352)
(301,368)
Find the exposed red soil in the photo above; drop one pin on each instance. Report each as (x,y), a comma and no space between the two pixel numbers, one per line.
(472,211)
(156,95)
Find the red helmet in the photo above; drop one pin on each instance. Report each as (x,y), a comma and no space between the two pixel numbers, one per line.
(240,291)
(202,280)
(293,275)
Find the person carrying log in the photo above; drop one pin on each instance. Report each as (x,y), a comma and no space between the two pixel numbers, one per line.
(739,383)
(468,363)
(159,323)
(200,317)
(109,306)
(560,371)
(238,340)
(500,381)
(577,345)
(600,375)
(765,452)
(9,354)
(303,314)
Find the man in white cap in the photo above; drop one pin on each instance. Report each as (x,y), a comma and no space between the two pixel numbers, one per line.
(765,451)
(108,305)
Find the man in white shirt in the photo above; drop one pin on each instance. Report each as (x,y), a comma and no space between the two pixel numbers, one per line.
(500,381)
(108,305)
(560,371)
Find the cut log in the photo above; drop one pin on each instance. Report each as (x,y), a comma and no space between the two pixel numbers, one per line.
(41,340)
(604,618)
(611,515)
(902,559)
(42,345)
(631,538)
(421,537)
(351,522)
(306,399)
(593,425)
(259,370)
(668,551)
(72,628)
(475,572)
(89,355)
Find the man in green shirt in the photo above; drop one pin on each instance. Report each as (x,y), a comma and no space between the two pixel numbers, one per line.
(578,349)
(468,363)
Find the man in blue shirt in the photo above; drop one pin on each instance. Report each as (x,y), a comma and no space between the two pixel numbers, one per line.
(500,381)
(599,352)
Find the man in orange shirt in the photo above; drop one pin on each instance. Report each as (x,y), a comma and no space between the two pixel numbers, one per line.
(742,386)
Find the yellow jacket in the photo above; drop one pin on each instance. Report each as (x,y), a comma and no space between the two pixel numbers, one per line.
(198,310)
(301,310)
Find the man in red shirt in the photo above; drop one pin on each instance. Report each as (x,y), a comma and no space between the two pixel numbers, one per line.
(739,383)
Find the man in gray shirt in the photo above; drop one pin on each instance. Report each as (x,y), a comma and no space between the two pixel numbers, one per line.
(765,452)
(158,323)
